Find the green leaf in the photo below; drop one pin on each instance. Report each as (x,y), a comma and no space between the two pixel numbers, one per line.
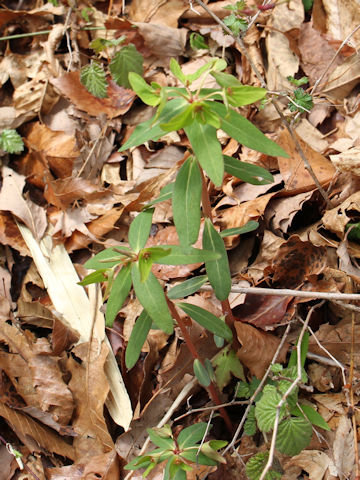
(151,296)
(308,5)
(265,409)
(11,142)
(245,132)
(139,462)
(189,436)
(197,42)
(298,81)
(250,226)
(143,90)
(207,149)
(151,130)
(311,414)
(247,172)
(147,257)
(256,465)
(207,320)
(186,202)
(201,373)
(227,363)
(186,255)
(294,434)
(93,78)
(250,422)
(194,456)
(139,230)
(217,64)
(218,271)
(183,118)
(119,291)
(107,258)
(243,390)
(303,352)
(100,44)
(137,339)
(236,93)
(94,277)
(127,60)
(188,287)
(176,71)
(235,23)
(160,439)
(165,194)
(209,450)
(303,101)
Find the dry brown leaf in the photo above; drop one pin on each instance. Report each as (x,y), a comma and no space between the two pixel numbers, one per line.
(295,262)
(163,41)
(258,348)
(90,388)
(342,17)
(343,79)
(337,218)
(314,462)
(62,337)
(297,179)
(63,192)
(36,437)
(118,102)
(12,200)
(344,449)
(263,311)
(162,12)
(348,161)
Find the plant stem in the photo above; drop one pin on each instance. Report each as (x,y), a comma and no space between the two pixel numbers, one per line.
(190,345)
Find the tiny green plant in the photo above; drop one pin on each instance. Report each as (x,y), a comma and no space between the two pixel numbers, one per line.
(180,453)
(11,142)
(295,419)
(126,59)
(236,21)
(300,100)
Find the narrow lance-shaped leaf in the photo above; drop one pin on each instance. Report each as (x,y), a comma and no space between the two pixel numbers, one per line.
(201,373)
(185,255)
(143,90)
(152,298)
(250,226)
(191,435)
(247,172)
(186,202)
(207,149)
(188,287)
(151,130)
(108,258)
(147,257)
(218,271)
(137,339)
(207,320)
(140,229)
(245,132)
(165,194)
(119,291)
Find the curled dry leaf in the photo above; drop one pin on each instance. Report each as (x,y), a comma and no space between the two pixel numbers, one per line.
(118,102)
(264,310)
(295,262)
(258,348)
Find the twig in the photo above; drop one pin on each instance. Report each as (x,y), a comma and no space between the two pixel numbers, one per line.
(212,408)
(287,393)
(316,84)
(286,292)
(258,389)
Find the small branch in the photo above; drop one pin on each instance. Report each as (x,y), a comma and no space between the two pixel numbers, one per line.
(287,393)
(286,292)
(212,408)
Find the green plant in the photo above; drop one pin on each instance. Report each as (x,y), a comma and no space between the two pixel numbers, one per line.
(200,113)
(179,452)
(11,142)
(236,20)
(295,419)
(300,100)
(94,77)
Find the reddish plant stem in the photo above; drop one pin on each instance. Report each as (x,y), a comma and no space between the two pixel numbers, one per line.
(205,199)
(190,345)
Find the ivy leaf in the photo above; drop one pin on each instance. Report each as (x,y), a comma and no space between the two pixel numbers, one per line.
(11,142)
(186,202)
(137,339)
(93,78)
(265,410)
(294,434)
(227,363)
(303,101)
(127,60)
